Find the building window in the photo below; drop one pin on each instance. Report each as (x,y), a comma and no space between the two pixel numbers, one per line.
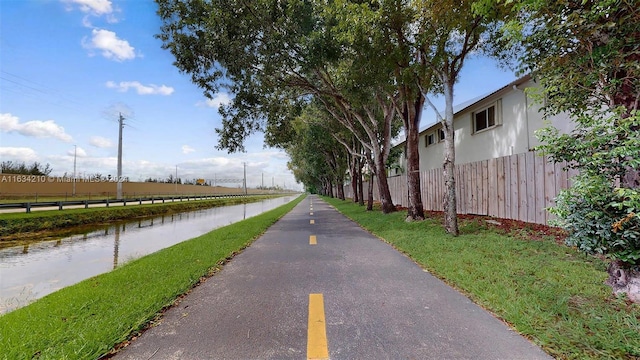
(440,135)
(430,139)
(484,119)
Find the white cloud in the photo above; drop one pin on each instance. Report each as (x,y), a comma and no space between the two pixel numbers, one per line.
(187,149)
(150,89)
(18,154)
(34,128)
(86,22)
(220,99)
(78,152)
(262,168)
(95,7)
(112,47)
(100,142)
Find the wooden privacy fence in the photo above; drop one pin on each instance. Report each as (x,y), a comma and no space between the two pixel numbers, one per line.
(518,187)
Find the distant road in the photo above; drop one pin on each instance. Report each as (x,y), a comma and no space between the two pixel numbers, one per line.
(102,203)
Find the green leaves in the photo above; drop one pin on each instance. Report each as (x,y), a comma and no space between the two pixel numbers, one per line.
(601,216)
(585,54)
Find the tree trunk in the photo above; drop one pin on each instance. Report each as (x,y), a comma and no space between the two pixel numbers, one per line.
(415,209)
(383,188)
(449,202)
(330,186)
(353,169)
(360,184)
(370,194)
(624,281)
(340,188)
(631,179)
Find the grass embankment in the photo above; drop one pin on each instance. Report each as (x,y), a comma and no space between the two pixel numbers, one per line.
(547,292)
(19,225)
(86,320)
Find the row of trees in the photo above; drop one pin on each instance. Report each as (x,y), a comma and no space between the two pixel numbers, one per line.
(362,69)
(333,82)
(171,179)
(168,180)
(21,168)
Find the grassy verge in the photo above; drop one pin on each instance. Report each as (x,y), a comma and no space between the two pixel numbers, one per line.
(21,223)
(547,292)
(87,320)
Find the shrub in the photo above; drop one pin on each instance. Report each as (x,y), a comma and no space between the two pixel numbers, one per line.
(600,209)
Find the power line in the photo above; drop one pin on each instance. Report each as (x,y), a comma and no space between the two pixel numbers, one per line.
(44,89)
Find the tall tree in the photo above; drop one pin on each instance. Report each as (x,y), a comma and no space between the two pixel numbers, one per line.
(448,33)
(379,33)
(424,45)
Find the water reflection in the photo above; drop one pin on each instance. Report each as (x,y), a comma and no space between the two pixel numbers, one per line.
(29,272)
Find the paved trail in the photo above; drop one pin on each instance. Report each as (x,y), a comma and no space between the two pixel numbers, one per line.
(316,285)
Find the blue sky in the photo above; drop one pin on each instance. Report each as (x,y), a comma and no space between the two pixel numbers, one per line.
(68,67)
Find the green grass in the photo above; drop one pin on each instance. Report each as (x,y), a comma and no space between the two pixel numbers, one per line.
(22,222)
(86,320)
(548,292)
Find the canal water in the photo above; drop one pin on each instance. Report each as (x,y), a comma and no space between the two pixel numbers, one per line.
(32,271)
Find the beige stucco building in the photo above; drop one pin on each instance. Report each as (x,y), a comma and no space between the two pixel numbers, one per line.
(499,124)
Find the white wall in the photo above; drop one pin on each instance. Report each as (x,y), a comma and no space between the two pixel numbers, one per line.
(518,119)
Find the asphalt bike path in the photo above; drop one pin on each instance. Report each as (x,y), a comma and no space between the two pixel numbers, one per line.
(316,286)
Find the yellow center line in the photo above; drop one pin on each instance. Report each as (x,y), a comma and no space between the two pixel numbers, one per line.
(317,347)
(312,221)
(312,240)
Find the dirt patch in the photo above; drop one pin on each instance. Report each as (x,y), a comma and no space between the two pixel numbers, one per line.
(515,228)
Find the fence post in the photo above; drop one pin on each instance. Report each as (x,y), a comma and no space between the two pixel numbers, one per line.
(59,205)
(28,206)
(107,201)
(86,204)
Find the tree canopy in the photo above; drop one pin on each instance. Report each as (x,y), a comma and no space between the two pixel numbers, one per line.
(370,64)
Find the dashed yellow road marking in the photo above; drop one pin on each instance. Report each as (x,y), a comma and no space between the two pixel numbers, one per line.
(311,213)
(317,347)
(312,221)
(312,240)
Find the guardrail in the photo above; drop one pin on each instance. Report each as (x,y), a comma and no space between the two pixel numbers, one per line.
(61,204)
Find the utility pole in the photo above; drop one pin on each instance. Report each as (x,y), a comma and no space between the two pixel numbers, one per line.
(262,185)
(75,153)
(175,180)
(245,177)
(119,179)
